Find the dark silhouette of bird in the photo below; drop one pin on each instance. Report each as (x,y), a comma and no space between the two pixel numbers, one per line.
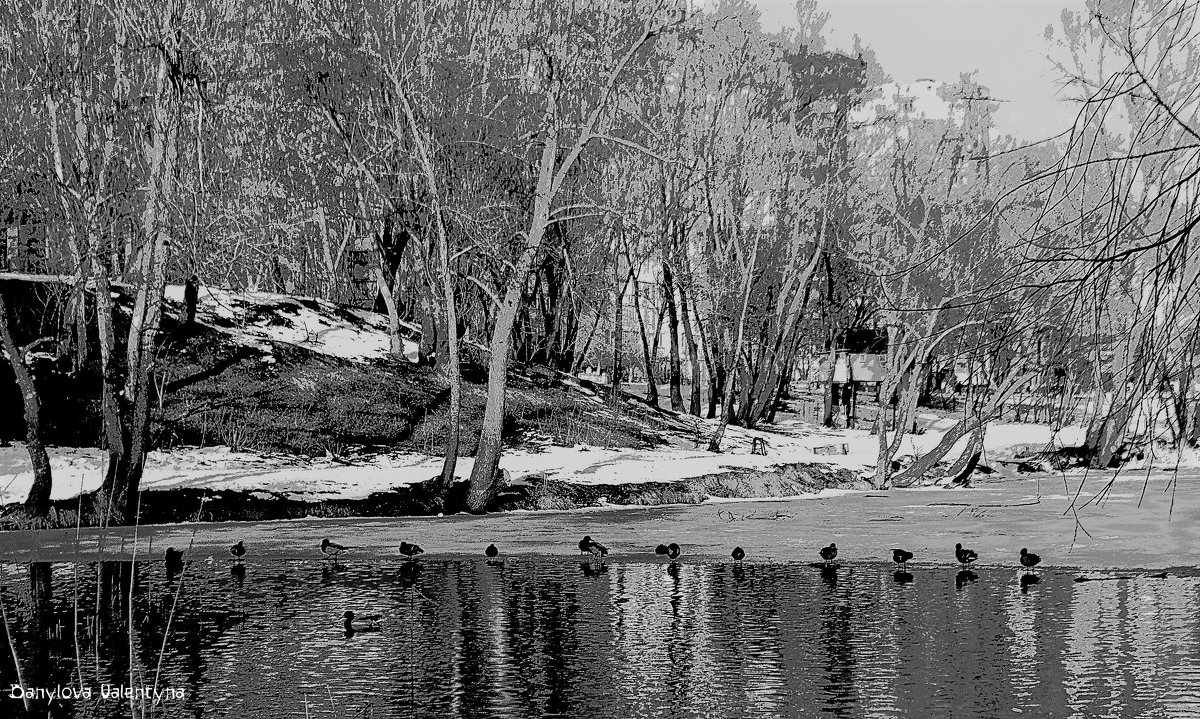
(410,550)
(238,551)
(349,617)
(673,551)
(591,546)
(661,549)
(738,554)
(829,553)
(174,561)
(491,552)
(901,557)
(1029,560)
(964,556)
(331,549)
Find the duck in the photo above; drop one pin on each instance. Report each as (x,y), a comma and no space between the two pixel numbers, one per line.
(591,546)
(1029,560)
(661,549)
(491,552)
(331,549)
(174,561)
(738,554)
(901,557)
(348,618)
(829,553)
(964,556)
(410,550)
(673,551)
(238,551)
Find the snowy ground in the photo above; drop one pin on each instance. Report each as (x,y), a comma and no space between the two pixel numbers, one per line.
(253,317)
(217,468)
(257,319)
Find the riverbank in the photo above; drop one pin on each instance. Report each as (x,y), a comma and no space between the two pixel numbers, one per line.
(791,458)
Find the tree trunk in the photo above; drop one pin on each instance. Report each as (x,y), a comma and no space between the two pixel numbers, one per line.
(969,459)
(827,401)
(618,338)
(735,352)
(395,340)
(38,501)
(452,369)
(121,483)
(648,358)
(487,455)
(675,379)
(927,461)
(693,354)
(587,344)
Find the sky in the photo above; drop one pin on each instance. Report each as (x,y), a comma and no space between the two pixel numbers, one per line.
(1004,40)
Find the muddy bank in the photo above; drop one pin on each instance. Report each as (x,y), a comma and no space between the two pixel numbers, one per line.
(535,492)
(787,480)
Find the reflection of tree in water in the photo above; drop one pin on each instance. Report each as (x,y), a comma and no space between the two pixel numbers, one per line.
(90,607)
(484,640)
(746,604)
(835,637)
(540,633)
(43,643)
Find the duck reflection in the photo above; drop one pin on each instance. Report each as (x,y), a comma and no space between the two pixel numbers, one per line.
(329,572)
(829,575)
(173,561)
(1028,580)
(964,577)
(902,577)
(593,570)
(238,573)
(410,572)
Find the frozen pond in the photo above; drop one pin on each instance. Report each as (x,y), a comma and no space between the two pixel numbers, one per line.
(559,637)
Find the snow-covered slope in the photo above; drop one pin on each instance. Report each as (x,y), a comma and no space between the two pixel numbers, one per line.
(252,317)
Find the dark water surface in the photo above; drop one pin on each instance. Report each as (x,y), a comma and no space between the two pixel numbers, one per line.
(549,636)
